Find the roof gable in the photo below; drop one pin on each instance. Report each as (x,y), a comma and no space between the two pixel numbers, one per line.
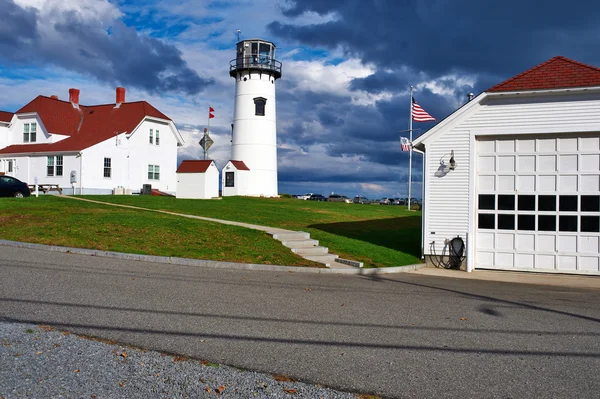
(194,166)
(5,116)
(556,73)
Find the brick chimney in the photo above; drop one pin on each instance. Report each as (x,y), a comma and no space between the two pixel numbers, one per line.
(54,96)
(120,95)
(74,96)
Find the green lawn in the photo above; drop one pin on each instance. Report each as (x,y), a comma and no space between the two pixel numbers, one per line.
(379,236)
(66,222)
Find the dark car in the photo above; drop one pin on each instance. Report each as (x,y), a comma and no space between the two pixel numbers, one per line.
(317,197)
(11,187)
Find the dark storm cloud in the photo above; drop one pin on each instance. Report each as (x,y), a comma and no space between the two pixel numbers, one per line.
(17,29)
(119,56)
(501,38)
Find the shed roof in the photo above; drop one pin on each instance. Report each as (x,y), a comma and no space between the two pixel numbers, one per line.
(194,166)
(556,73)
(239,165)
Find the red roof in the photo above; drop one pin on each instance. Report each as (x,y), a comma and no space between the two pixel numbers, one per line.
(190,166)
(86,125)
(240,165)
(556,73)
(5,116)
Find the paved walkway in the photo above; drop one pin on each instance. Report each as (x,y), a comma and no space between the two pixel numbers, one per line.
(277,233)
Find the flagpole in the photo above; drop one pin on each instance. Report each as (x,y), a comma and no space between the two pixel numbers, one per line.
(410,129)
(206,134)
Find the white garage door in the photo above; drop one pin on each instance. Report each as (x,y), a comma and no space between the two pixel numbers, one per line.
(538,204)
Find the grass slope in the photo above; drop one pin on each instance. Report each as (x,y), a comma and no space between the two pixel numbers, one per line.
(66,222)
(379,236)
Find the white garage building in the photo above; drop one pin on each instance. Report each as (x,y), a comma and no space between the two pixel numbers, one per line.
(525,190)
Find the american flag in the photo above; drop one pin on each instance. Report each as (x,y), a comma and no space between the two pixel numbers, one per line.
(405,143)
(419,114)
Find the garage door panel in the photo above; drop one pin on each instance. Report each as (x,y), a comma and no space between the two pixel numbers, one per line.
(538,204)
(589,244)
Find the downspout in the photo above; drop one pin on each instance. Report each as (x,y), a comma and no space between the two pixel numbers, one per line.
(80,173)
(422,203)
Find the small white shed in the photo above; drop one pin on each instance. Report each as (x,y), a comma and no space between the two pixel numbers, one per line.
(235,178)
(197,180)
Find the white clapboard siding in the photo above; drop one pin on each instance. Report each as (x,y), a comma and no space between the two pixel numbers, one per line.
(447,197)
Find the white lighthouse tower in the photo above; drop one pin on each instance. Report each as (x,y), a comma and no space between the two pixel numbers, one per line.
(252,170)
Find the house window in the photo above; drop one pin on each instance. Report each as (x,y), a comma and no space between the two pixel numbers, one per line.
(26,133)
(259,106)
(10,166)
(32,133)
(151,137)
(107,167)
(229,179)
(59,165)
(153,172)
(157,141)
(55,166)
(50,167)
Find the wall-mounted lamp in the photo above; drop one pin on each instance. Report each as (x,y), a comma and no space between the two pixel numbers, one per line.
(452,161)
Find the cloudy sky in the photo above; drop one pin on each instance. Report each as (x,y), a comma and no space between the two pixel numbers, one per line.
(347,68)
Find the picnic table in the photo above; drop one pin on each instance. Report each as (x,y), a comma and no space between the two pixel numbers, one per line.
(46,187)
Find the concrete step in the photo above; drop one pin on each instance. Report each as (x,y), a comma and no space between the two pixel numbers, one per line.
(310,250)
(297,235)
(300,243)
(327,259)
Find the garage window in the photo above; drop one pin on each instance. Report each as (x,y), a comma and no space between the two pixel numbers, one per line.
(590,224)
(506,222)
(526,202)
(487,201)
(546,223)
(506,202)
(567,203)
(487,221)
(526,222)
(590,203)
(547,203)
(567,223)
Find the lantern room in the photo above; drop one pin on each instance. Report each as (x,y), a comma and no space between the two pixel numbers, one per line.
(255,54)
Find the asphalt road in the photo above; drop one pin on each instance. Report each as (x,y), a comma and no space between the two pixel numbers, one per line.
(399,335)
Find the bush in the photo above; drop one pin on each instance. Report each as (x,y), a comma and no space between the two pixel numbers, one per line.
(285,195)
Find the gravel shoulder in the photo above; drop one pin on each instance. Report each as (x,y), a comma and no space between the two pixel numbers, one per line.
(38,361)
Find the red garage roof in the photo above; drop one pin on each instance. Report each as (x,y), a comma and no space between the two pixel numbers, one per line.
(556,73)
(190,166)
(5,116)
(85,125)
(240,165)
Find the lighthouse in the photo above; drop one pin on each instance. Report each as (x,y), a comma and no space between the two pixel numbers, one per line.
(252,170)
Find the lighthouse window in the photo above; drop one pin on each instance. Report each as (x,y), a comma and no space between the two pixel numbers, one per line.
(259,106)
(264,53)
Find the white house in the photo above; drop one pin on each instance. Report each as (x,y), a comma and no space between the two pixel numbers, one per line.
(235,178)
(90,149)
(525,189)
(197,180)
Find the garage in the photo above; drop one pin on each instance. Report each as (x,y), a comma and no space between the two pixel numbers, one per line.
(515,174)
(538,204)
